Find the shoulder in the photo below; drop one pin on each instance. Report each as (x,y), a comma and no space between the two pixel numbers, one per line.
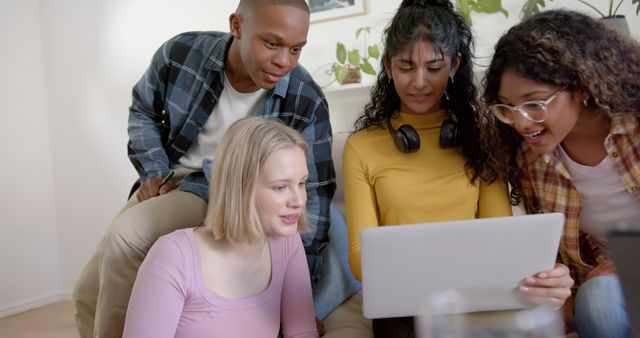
(173,246)
(302,84)
(200,43)
(371,137)
(199,37)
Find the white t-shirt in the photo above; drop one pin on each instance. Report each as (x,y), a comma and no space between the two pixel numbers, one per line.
(232,106)
(605,200)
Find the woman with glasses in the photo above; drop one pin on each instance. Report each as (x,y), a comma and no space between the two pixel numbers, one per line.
(563,92)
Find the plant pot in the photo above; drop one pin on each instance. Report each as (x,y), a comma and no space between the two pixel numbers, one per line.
(354,75)
(618,22)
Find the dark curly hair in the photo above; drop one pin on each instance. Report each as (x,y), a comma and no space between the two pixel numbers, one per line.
(565,49)
(438,23)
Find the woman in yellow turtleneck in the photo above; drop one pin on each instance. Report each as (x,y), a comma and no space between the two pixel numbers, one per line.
(439,172)
(427,79)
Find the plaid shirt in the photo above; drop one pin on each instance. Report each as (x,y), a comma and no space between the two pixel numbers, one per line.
(547,187)
(176,95)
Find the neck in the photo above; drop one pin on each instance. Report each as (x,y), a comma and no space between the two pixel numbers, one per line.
(585,143)
(591,124)
(236,72)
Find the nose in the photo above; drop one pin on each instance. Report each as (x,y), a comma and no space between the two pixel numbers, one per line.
(298,198)
(420,78)
(282,58)
(520,122)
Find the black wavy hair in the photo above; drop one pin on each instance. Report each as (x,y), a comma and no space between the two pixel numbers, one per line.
(565,49)
(437,23)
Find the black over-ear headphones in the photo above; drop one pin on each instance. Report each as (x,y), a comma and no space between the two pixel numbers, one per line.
(407,140)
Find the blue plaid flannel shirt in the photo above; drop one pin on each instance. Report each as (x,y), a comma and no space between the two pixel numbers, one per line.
(176,95)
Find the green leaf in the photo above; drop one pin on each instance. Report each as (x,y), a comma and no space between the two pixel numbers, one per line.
(363,29)
(341,53)
(374,51)
(464,8)
(488,6)
(637,2)
(340,72)
(531,7)
(354,57)
(367,67)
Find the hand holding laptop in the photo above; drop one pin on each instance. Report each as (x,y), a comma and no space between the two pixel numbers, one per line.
(551,287)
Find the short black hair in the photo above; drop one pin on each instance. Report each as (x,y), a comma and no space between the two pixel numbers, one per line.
(248,6)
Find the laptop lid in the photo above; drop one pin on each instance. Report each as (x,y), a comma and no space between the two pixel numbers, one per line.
(483,258)
(623,244)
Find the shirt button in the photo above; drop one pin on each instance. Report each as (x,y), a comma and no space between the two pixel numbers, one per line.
(614,154)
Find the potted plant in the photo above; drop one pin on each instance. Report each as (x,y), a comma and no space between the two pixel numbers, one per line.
(350,63)
(530,7)
(610,17)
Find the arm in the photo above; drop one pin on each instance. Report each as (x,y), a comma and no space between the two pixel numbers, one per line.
(158,295)
(321,184)
(493,200)
(147,118)
(360,203)
(298,317)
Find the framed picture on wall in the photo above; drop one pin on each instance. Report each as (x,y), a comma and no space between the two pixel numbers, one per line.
(322,10)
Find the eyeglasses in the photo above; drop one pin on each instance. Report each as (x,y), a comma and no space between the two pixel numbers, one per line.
(534,111)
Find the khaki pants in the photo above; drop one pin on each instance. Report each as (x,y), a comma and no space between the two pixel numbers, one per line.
(347,321)
(102,291)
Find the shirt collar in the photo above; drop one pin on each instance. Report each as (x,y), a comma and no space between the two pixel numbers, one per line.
(624,124)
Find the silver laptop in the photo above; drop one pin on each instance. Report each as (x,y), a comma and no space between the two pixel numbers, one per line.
(485,259)
(624,247)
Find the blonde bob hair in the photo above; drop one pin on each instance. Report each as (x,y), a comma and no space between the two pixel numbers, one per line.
(232,213)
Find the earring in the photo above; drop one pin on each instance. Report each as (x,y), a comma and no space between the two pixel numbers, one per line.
(451,76)
(446,96)
(585,102)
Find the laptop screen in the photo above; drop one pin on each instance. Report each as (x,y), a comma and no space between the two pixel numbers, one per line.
(486,258)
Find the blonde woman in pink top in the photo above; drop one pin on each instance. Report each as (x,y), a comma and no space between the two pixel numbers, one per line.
(244,274)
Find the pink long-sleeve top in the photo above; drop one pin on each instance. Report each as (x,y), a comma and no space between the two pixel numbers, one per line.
(170,299)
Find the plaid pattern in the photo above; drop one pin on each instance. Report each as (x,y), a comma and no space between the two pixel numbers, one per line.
(176,95)
(547,187)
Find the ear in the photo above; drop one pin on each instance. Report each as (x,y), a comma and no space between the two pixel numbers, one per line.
(455,63)
(234,25)
(582,95)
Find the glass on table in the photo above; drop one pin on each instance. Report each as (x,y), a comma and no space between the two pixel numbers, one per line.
(446,315)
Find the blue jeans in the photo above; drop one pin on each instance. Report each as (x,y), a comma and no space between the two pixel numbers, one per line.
(599,309)
(336,282)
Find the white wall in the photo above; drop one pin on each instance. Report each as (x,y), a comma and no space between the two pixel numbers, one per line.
(29,261)
(95,52)
(68,69)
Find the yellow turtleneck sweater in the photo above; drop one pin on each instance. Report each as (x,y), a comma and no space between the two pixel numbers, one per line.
(383,186)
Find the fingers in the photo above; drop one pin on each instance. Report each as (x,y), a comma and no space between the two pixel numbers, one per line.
(320,327)
(533,299)
(165,188)
(551,287)
(557,277)
(558,293)
(149,188)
